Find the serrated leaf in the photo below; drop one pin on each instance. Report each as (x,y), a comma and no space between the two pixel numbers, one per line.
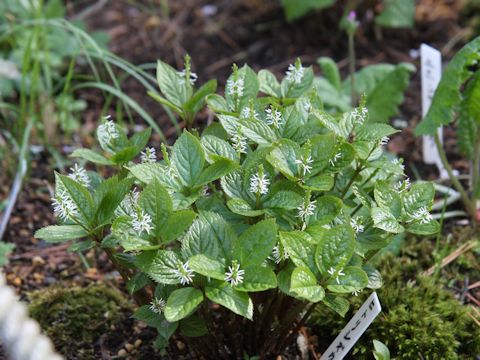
(169,83)
(330,71)
(216,147)
(196,102)
(193,326)
(207,266)
(257,131)
(236,301)
(60,233)
(176,224)
(335,249)
(80,196)
(189,158)
(182,302)
(384,219)
(156,201)
(257,278)
(219,168)
(137,282)
(269,83)
(304,284)
(288,200)
(300,248)
(283,158)
(354,279)
(159,265)
(337,304)
(255,244)
(241,207)
(327,208)
(91,156)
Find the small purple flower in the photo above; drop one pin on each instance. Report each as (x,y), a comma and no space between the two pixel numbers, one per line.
(352,16)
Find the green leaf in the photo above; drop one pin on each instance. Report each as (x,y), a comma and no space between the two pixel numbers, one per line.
(207,266)
(216,147)
(257,131)
(81,246)
(210,235)
(283,157)
(288,200)
(189,158)
(236,301)
(300,248)
(241,207)
(430,228)
(163,101)
(255,244)
(269,83)
(217,103)
(257,278)
(176,224)
(125,155)
(330,71)
(384,219)
(137,282)
(388,198)
(397,14)
(143,313)
(250,88)
(91,156)
(381,351)
(156,201)
(136,243)
(140,139)
(219,168)
(327,208)
(114,193)
(295,9)
(198,99)
(169,83)
(60,233)
(354,279)
(319,183)
(159,265)
(293,90)
(468,115)
(335,249)
(419,196)
(323,147)
(336,303)
(304,284)
(193,326)
(447,97)
(182,302)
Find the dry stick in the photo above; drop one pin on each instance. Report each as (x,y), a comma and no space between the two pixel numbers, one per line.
(452,256)
(471,208)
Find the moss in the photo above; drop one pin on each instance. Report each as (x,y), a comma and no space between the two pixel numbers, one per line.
(420,319)
(75,318)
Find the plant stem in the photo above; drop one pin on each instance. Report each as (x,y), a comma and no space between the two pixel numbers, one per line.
(469,205)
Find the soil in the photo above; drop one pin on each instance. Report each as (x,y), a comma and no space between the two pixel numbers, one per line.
(216,33)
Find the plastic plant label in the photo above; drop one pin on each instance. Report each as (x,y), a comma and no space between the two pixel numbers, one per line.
(354,329)
(431,68)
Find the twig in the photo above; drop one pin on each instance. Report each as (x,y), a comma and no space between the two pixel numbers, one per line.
(448,259)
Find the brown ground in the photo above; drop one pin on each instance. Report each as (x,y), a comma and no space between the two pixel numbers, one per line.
(251,31)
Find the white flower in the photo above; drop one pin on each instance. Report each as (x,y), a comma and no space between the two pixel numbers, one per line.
(384,140)
(247,113)
(234,275)
(277,255)
(336,274)
(307,105)
(183,76)
(356,225)
(306,209)
(79,174)
(157,305)
(422,215)
(141,221)
(295,73)
(397,162)
(148,155)
(402,186)
(171,172)
(360,114)
(63,206)
(305,164)
(205,191)
(107,131)
(274,117)
(128,204)
(335,158)
(356,292)
(259,184)
(184,273)
(235,87)
(239,142)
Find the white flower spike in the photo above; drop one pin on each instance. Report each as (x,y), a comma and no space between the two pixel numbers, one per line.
(305,164)
(234,275)
(107,131)
(184,274)
(183,77)
(148,155)
(157,305)
(141,221)
(274,117)
(356,225)
(259,184)
(295,73)
(235,87)
(79,174)
(63,206)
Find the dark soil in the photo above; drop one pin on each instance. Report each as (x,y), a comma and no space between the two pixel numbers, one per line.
(240,31)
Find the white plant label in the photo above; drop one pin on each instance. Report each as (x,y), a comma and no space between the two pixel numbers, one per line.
(354,329)
(431,68)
